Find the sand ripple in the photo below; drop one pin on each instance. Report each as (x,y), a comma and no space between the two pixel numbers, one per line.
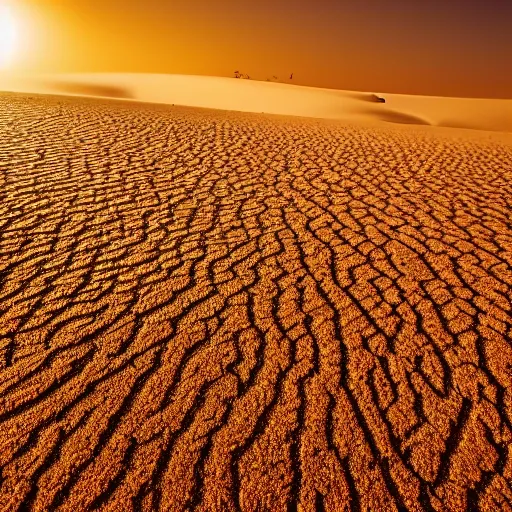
(220,311)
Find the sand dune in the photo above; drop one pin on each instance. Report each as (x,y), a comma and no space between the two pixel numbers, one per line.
(221,311)
(274,98)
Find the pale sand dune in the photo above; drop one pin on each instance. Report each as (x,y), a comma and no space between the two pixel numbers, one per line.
(273,98)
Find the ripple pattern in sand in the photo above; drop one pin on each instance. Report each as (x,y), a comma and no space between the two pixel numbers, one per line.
(219,311)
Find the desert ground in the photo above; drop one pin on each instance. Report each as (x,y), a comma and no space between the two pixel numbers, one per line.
(231,311)
(272,98)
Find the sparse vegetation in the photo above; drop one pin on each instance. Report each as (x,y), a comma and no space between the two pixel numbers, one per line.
(247,77)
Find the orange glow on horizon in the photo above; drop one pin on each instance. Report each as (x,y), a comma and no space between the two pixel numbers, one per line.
(8,36)
(449,49)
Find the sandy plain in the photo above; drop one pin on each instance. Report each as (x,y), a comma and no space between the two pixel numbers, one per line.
(272,98)
(225,311)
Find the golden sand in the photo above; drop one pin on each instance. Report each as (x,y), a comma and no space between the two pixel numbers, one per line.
(273,98)
(220,311)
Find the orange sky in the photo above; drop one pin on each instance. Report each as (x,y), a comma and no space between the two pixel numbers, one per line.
(437,47)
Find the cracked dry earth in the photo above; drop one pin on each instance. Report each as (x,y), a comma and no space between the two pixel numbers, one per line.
(218,311)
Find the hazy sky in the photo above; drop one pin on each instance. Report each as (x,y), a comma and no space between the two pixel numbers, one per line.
(439,47)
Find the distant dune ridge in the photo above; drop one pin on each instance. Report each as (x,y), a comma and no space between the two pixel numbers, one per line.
(273,98)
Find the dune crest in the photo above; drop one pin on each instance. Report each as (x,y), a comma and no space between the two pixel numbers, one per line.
(272,98)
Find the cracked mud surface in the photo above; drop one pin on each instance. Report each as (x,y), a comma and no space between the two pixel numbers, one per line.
(218,311)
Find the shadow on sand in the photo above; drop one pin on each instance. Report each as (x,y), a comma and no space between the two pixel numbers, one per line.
(391,116)
(91,89)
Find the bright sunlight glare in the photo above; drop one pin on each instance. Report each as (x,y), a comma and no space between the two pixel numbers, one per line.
(8,36)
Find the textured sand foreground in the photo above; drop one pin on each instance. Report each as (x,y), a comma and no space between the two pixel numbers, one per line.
(219,311)
(273,98)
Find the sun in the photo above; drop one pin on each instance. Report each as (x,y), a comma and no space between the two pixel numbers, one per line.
(8,36)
